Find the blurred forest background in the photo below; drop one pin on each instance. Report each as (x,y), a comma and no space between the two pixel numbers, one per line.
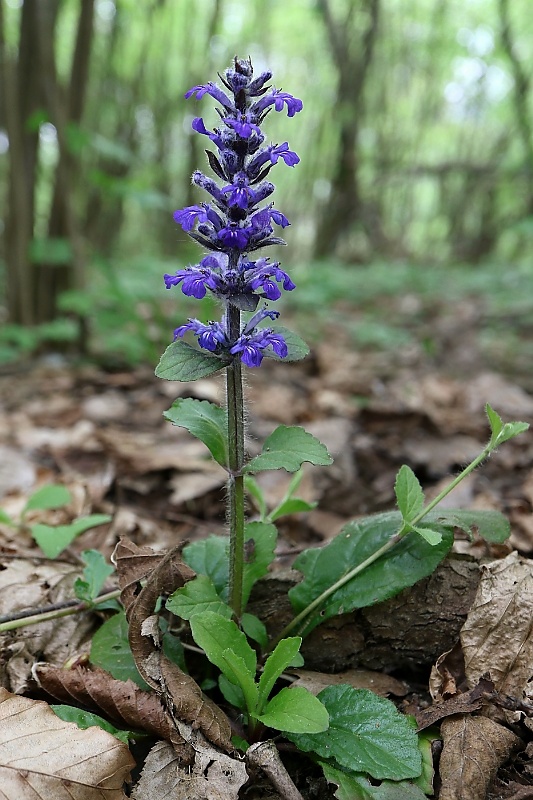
(416,173)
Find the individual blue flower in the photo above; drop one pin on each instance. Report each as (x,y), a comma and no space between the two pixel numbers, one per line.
(214,91)
(279,218)
(210,336)
(278,99)
(233,236)
(251,346)
(198,126)
(188,217)
(195,281)
(243,125)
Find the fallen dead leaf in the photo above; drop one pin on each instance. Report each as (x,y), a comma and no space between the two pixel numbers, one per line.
(214,776)
(474,749)
(41,756)
(378,682)
(497,637)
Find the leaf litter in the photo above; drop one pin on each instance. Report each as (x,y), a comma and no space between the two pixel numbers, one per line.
(103,435)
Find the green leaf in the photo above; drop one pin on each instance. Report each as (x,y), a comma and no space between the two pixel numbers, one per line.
(297,348)
(409,494)
(429,534)
(253,489)
(295,710)
(53,540)
(357,787)
(294,505)
(227,648)
(86,719)
(502,432)
(490,525)
(287,448)
(366,734)
(210,557)
(181,362)
(95,574)
(402,566)
(255,629)
(53,496)
(260,539)
(197,597)
(204,420)
(110,650)
(233,694)
(6,519)
(281,657)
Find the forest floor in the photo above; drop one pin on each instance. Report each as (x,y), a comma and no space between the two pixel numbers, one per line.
(101,434)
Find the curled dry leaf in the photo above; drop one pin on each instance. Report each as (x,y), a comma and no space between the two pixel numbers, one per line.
(497,637)
(214,775)
(122,702)
(377,682)
(161,575)
(474,749)
(41,756)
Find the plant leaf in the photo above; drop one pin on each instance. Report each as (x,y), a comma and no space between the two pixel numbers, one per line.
(490,525)
(429,534)
(232,693)
(43,757)
(210,557)
(409,494)
(295,710)
(95,574)
(260,539)
(227,648)
(204,420)
(255,629)
(53,496)
(253,488)
(281,657)
(366,734)
(297,348)
(53,539)
(6,519)
(294,505)
(287,448)
(110,650)
(86,719)
(402,566)
(353,786)
(181,362)
(501,432)
(197,597)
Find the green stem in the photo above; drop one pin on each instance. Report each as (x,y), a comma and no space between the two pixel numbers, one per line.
(235,407)
(33,619)
(296,623)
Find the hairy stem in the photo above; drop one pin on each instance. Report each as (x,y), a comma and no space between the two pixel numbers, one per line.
(235,407)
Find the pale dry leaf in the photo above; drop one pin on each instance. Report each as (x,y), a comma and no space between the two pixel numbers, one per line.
(214,776)
(377,682)
(41,756)
(497,636)
(474,749)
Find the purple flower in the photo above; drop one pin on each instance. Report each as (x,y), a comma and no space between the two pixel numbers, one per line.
(210,336)
(279,99)
(243,126)
(279,218)
(251,346)
(214,91)
(188,217)
(198,126)
(195,280)
(234,237)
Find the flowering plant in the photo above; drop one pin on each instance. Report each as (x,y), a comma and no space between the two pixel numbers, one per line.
(371,560)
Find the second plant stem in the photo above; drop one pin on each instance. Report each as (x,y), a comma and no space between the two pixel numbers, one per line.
(235,408)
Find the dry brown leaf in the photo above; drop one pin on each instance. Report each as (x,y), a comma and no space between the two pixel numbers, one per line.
(43,757)
(162,574)
(25,584)
(378,682)
(214,775)
(497,637)
(464,703)
(474,748)
(122,702)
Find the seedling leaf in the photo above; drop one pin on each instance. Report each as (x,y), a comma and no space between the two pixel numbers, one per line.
(95,574)
(295,710)
(255,629)
(181,362)
(287,448)
(260,539)
(110,650)
(431,536)
(86,719)
(204,420)
(210,557)
(409,494)
(490,525)
(366,734)
(501,432)
(352,786)
(6,519)
(53,496)
(53,540)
